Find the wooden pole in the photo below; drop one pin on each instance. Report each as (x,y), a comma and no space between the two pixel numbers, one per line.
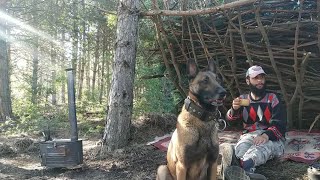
(198,12)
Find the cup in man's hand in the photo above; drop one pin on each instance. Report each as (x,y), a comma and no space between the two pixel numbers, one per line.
(244,102)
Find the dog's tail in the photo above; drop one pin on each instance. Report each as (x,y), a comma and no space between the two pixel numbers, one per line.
(163,173)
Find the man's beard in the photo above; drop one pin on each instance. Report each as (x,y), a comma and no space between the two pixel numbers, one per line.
(258,92)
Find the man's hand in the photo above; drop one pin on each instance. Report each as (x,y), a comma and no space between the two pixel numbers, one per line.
(261,139)
(236,103)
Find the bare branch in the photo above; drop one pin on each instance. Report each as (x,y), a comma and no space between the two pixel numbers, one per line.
(200,11)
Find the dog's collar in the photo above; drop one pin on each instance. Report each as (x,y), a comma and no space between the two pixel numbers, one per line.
(199,112)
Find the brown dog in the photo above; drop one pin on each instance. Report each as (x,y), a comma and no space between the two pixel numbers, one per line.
(193,150)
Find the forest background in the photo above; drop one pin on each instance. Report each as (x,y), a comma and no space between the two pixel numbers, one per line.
(40,39)
(46,37)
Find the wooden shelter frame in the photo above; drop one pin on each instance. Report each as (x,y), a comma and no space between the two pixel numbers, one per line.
(283,36)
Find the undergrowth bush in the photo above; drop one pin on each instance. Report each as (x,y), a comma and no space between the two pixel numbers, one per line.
(35,119)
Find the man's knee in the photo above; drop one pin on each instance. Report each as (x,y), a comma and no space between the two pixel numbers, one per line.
(241,149)
(259,154)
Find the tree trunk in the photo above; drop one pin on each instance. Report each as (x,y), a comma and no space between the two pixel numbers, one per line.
(102,83)
(87,68)
(108,84)
(54,75)
(53,56)
(35,67)
(83,59)
(5,93)
(63,58)
(117,129)
(96,61)
(108,60)
(75,38)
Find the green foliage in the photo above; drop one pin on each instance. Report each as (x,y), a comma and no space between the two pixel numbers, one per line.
(153,95)
(36,119)
(112,20)
(90,106)
(88,128)
(91,117)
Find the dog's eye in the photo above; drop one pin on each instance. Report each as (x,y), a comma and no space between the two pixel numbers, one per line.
(219,80)
(205,80)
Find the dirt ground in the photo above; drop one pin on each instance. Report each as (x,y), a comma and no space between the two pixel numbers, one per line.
(19,157)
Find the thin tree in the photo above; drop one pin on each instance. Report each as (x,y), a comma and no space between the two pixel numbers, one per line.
(117,129)
(35,71)
(5,93)
(104,51)
(53,53)
(83,58)
(63,58)
(75,36)
(35,90)
(96,60)
(88,65)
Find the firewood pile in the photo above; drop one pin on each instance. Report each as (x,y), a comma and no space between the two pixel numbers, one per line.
(283,36)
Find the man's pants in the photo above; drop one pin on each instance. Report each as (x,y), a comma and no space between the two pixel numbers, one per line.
(245,149)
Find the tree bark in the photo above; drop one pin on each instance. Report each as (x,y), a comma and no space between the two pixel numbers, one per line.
(75,37)
(318,18)
(117,129)
(53,56)
(5,93)
(83,58)
(88,66)
(53,74)
(35,68)
(63,57)
(108,83)
(96,61)
(104,56)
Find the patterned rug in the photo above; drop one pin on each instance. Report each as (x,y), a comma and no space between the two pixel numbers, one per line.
(300,146)
(162,143)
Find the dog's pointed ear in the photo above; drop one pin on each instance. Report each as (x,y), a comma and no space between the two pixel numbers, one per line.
(212,66)
(192,68)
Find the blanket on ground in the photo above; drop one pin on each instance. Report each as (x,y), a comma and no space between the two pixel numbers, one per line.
(300,146)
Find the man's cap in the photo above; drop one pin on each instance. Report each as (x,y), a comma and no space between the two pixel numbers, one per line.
(254,71)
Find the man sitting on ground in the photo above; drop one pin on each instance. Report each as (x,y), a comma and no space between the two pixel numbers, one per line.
(264,121)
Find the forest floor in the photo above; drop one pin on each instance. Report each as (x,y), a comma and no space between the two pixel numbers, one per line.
(137,161)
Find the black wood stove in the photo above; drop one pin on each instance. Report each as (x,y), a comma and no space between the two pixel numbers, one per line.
(64,152)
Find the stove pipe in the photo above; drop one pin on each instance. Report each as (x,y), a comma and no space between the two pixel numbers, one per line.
(72,105)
